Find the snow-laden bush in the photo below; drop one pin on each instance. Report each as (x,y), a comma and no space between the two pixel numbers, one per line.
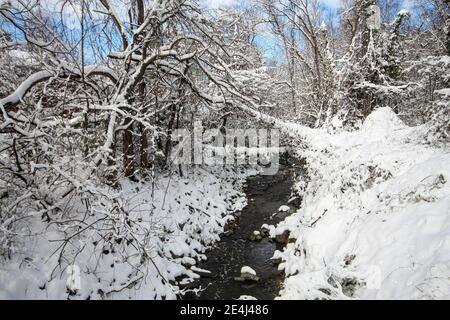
(139,241)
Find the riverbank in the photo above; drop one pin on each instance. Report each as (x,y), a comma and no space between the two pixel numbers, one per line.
(172,229)
(375,217)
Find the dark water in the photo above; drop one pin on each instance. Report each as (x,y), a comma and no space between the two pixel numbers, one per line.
(265,195)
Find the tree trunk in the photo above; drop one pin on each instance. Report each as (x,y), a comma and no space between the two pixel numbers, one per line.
(170,127)
(128,149)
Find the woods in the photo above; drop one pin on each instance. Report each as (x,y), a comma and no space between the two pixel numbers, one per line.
(92,93)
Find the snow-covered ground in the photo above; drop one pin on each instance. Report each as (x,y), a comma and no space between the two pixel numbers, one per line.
(375,220)
(188,216)
(374,223)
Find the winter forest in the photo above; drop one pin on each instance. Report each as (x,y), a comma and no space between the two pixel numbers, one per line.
(229,149)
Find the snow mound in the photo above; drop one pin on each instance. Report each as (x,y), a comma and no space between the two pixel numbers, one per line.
(248,270)
(382,123)
(284,209)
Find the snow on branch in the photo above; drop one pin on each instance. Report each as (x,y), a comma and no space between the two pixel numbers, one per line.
(17,96)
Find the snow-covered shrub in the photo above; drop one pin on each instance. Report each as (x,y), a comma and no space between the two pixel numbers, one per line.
(139,241)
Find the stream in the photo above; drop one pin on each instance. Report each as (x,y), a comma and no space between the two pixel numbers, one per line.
(265,195)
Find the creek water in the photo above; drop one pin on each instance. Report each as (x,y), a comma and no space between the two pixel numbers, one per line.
(265,195)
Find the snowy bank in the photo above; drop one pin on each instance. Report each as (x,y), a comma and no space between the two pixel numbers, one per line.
(175,228)
(375,219)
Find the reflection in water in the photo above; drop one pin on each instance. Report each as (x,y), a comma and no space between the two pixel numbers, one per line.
(265,194)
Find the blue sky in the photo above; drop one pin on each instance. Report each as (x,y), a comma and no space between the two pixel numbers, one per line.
(266,42)
(331,3)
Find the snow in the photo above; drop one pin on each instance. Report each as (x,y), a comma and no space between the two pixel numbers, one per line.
(200,270)
(73,281)
(185,218)
(444,92)
(245,297)
(20,92)
(247,269)
(403,12)
(374,19)
(375,220)
(40,76)
(24,57)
